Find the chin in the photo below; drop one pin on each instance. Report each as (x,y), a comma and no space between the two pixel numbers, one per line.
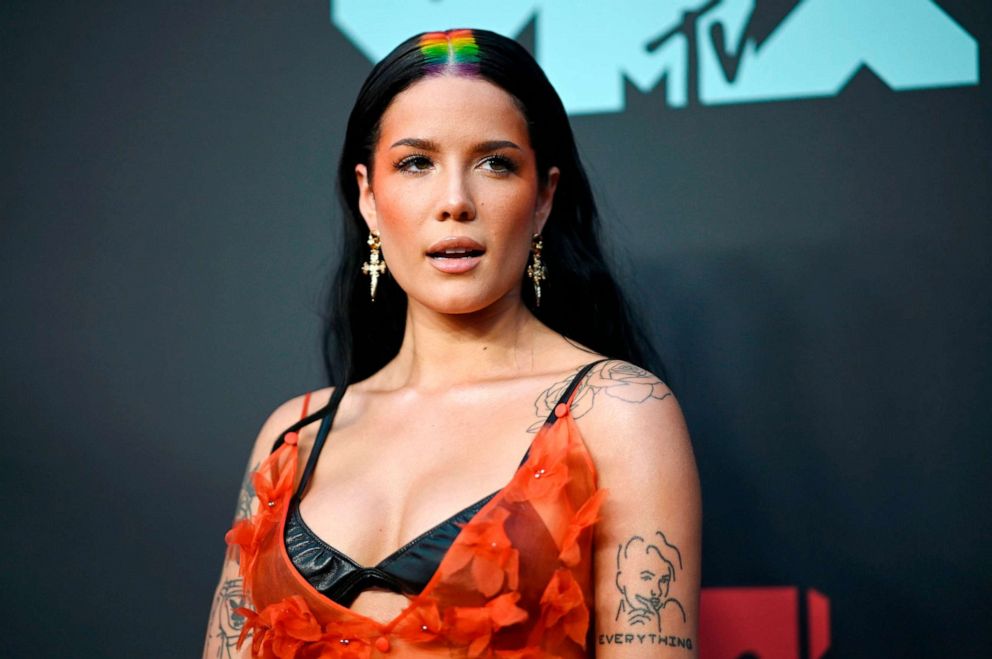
(457,306)
(461,303)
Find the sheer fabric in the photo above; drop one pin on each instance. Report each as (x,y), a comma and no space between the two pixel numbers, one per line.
(516,582)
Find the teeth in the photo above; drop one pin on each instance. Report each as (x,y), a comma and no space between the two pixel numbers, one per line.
(456,251)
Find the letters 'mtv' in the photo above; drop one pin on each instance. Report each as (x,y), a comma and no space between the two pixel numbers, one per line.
(698,47)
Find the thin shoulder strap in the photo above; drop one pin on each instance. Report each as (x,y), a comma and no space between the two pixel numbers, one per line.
(318,443)
(332,408)
(566,397)
(304,421)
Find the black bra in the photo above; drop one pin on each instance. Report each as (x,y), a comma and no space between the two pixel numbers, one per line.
(408,569)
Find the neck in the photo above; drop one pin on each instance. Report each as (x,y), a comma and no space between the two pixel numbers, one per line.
(441,350)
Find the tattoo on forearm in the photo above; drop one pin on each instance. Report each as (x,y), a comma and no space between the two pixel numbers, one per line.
(246,496)
(616,379)
(647,581)
(227,623)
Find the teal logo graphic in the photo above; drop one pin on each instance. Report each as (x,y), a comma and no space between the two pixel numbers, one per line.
(702,50)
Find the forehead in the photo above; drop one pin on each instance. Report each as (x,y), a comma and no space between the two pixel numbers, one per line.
(453,109)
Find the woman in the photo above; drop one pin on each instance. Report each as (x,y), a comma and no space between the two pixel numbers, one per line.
(474,323)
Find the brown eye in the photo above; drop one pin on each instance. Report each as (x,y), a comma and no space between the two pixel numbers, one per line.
(500,164)
(415,163)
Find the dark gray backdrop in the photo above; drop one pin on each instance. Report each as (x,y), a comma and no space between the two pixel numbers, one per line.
(816,273)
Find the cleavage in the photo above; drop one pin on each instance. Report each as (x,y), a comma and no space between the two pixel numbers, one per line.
(367,504)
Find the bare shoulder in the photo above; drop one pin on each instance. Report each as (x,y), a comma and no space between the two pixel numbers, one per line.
(284,416)
(648,539)
(629,416)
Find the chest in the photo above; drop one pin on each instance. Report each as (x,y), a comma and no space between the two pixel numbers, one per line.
(394,466)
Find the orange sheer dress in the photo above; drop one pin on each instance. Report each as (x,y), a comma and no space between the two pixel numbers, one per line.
(515,583)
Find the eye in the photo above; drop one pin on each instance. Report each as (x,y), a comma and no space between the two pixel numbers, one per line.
(415,163)
(500,164)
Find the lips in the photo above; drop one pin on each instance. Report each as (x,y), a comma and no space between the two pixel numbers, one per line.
(455,247)
(455,254)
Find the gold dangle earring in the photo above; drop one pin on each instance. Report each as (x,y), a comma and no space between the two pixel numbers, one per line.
(375,266)
(536,270)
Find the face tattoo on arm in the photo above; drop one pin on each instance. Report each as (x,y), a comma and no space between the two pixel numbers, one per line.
(646,571)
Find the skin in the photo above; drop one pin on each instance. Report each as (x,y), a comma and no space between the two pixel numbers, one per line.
(646,580)
(472,347)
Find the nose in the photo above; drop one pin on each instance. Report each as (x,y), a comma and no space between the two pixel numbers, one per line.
(456,201)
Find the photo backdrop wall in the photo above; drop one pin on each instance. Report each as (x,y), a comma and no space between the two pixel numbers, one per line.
(798,193)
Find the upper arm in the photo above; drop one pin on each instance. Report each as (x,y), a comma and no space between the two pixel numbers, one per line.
(224,625)
(647,542)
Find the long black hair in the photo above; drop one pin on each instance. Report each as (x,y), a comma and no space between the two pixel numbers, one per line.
(580,298)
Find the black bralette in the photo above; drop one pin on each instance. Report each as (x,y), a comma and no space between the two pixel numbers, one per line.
(408,569)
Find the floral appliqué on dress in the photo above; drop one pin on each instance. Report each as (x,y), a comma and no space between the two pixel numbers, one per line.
(515,584)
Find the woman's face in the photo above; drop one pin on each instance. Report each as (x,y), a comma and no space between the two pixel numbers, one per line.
(454,193)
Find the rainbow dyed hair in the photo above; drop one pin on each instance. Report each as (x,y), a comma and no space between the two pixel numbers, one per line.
(585,303)
(450,50)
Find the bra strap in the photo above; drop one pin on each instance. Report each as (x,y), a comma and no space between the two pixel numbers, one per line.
(305,420)
(318,443)
(332,408)
(566,397)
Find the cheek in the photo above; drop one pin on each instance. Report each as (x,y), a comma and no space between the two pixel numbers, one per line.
(392,206)
(397,216)
(514,207)
(512,221)
(513,254)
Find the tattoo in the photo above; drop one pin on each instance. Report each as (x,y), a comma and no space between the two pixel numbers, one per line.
(647,574)
(230,597)
(645,639)
(616,379)
(246,497)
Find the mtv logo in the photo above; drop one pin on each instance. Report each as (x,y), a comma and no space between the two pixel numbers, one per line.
(588,48)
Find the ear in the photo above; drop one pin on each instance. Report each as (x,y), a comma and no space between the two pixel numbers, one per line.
(366,198)
(545,198)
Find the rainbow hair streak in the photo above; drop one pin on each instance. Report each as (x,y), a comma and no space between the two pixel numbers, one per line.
(451,50)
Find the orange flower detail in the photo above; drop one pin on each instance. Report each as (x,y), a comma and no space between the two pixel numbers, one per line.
(485,544)
(563,610)
(243,538)
(475,625)
(546,470)
(586,516)
(541,478)
(525,653)
(273,482)
(280,630)
(421,625)
(248,536)
(342,640)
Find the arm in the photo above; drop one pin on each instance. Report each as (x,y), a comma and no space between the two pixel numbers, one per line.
(224,625)
(647,542)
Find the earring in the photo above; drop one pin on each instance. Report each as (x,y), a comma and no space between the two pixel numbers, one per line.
(536,270)
(375,265)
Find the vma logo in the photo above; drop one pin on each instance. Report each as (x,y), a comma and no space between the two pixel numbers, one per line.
(705,51)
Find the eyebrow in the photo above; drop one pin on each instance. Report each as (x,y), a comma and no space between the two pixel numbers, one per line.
(430,145)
